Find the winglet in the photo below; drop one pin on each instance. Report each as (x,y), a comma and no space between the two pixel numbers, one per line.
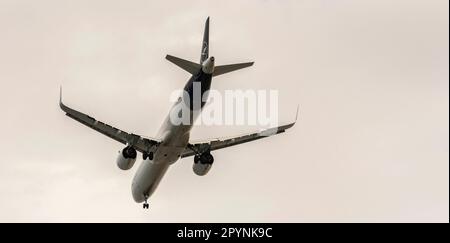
(61,105)
(296,116)
(60,94)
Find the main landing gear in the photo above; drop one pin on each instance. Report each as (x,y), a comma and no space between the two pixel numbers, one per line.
(145,205)
(147,155)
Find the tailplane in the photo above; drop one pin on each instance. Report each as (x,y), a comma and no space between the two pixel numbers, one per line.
(190,67)
(218,70)
(194,68)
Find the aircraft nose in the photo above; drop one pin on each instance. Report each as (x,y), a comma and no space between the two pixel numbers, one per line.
(137,193)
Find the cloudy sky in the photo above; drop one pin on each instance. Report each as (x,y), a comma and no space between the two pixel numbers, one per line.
(371,77)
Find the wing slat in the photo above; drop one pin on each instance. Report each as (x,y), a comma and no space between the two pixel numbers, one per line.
(140,143)
(216,144)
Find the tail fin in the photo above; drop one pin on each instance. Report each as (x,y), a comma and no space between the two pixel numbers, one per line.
(194,68)
(188,66)
(218,70)
(205,44)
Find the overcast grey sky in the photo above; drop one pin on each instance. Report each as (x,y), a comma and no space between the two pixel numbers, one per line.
(371,142)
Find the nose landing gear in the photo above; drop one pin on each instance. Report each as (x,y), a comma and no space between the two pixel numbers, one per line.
(145,205)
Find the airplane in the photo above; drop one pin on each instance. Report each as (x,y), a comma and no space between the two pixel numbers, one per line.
(172,142)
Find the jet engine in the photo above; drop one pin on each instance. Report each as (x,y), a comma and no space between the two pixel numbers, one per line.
(126,158)
(202,163)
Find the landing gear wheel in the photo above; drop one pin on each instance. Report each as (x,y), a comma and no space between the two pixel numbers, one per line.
(196,158)
(145,205)
(146,156)
(206,158)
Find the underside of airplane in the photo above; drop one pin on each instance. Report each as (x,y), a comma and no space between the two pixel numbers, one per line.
(173,140)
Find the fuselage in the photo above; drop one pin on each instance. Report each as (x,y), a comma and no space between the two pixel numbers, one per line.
(174,137)
(172,140)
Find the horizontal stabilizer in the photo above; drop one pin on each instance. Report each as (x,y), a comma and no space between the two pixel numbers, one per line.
(218,70)
(190,67)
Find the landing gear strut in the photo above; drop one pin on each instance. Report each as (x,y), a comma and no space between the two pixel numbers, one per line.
(147,155)
(145,205)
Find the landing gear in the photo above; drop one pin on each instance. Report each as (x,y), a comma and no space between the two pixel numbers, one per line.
(196,158)
(145,205)
(204,158)
(146,156)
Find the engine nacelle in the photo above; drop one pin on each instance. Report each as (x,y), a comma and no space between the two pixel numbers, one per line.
(126,158)
(202,164)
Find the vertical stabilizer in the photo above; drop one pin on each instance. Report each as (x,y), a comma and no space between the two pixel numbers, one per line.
(205,43)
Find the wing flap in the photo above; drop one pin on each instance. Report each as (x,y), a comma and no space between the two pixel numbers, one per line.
(215,144)
(138,142)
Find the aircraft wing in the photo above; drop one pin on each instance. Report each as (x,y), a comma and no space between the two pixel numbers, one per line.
(140,143)
(215,144)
